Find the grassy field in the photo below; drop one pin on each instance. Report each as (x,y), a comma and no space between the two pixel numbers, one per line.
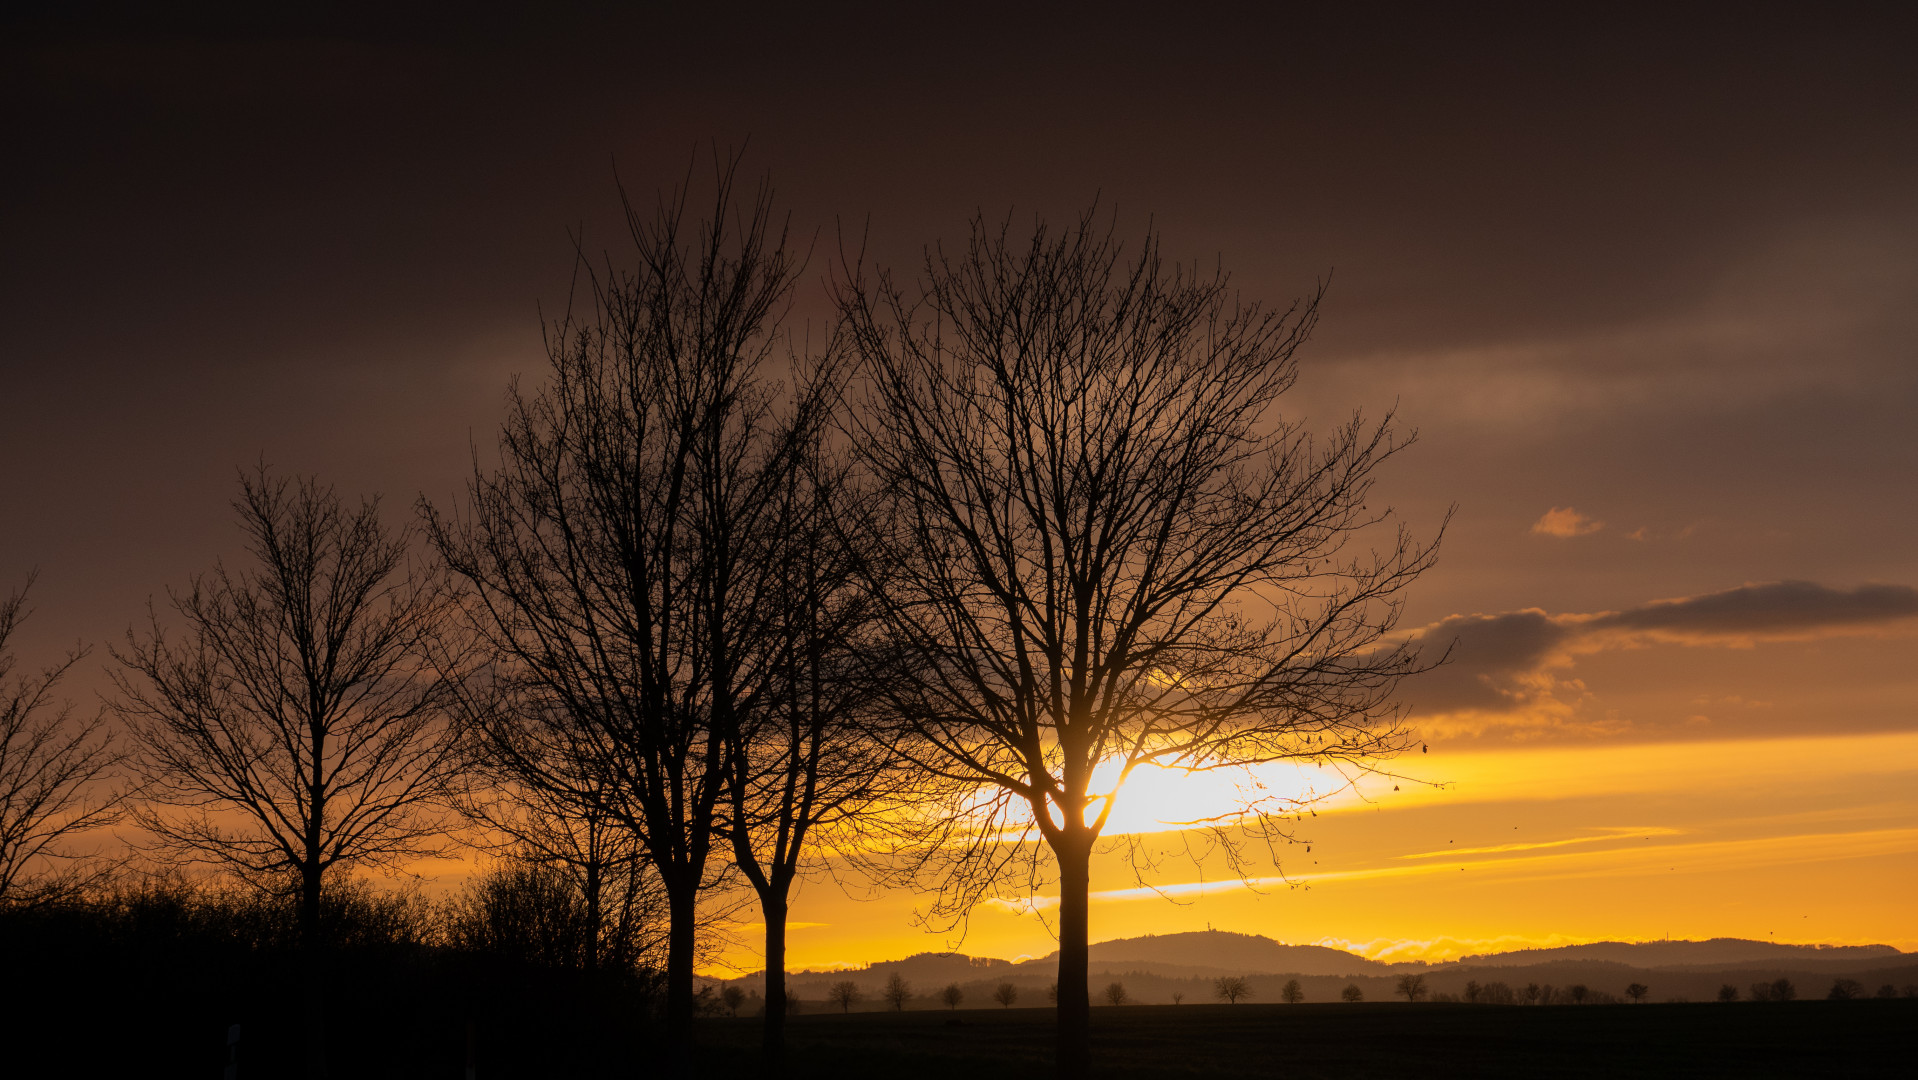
(1799,1039)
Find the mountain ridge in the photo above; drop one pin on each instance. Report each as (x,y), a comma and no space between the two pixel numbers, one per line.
(1227,952)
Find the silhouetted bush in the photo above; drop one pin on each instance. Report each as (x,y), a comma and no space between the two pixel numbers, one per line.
(185,960)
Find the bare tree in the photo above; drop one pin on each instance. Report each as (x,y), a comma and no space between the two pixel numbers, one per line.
(524,821)
(1230,988)
(732,997)
(1108,552)
(1411,987)
(1637,992)
(601,553)
(803,774)
(844,993)
(1005,994)
(1292,993)
(952,995)
(1783,990)
(1352,993)
(1115,993)
(898,991)
(287,729)
(536,911)
(53,776)
(1178,997)
(1727,992)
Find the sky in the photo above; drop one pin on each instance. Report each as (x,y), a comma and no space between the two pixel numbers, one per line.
(1643,285)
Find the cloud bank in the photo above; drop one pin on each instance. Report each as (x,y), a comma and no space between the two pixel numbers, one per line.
(1513,667)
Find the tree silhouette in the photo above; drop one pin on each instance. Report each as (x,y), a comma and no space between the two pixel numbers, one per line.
(52,773)
(1292,993)
(288,729)
(952,995)
(1352,993)
(1783,990)
(1845,990)
(1107,552)
(613,556)
(1005,994)
(845,994)
(1637,992)
(1728,992)
(1230,988)
(898,991)
(1115,993)
(1412,987)
(1178,997)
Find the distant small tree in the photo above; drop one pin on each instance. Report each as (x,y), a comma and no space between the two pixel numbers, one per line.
(1761,991)
(1230,988)
(1472,989)
(1293,993)
(1783,990)
(1846,990)
(844,993)
(1178,996)
(1497,993)
(1005,994)
(952,995)
(1412,986)
(1115,993)
(732,997)
(1887,991)
(1052,993)
(1531,993)
(1579,993)
(1728,992)
(1547,995)
(52,773)
(1637,992)
(1352,992)
(898,991)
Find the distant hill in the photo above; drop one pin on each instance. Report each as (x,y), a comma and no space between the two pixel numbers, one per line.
(1222,951)
(1717,952)
(1157,964)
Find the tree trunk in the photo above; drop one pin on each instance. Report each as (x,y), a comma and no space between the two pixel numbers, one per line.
(313,958)
(773,1040)
(593,916)
(1075,1007)
(681,896)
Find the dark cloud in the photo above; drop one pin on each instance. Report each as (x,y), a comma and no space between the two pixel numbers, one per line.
(1782,609)
(1514,663)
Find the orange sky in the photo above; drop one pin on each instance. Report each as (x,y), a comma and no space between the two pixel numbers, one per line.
(1643,287)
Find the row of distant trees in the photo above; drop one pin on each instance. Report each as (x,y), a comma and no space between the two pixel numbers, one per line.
(732,600)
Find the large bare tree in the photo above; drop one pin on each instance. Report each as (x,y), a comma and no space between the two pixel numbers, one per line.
(1109,548)
(610,565)
(286,724)
(807,779)
(54,776)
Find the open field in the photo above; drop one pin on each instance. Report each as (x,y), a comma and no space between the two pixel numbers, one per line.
(1798,1039)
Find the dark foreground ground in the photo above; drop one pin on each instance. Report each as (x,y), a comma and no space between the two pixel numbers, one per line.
(1796,1039)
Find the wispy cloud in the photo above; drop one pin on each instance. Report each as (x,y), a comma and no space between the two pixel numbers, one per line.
(1613,833)
(1564,523)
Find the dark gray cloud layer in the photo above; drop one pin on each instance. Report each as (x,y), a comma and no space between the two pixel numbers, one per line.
(1515,662)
